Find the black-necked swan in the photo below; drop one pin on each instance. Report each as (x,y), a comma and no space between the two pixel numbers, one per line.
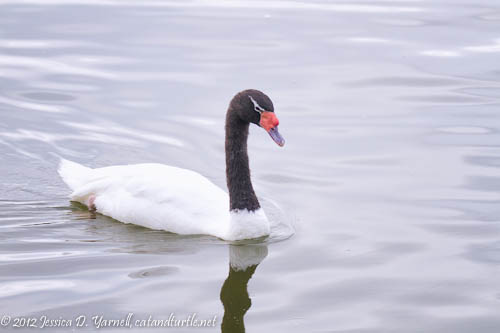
(181,201)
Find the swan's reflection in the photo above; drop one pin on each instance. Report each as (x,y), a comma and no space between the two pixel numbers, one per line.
(243,261)
(126,238)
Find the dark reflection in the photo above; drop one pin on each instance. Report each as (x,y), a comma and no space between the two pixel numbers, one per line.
(235,298)
(234,294)
(81,211)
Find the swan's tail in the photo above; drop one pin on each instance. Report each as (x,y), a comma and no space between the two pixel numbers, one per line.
(74,174)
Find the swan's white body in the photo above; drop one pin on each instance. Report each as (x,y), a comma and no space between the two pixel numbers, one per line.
(162,197)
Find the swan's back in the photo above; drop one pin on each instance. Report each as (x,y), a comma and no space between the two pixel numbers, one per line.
(152,195)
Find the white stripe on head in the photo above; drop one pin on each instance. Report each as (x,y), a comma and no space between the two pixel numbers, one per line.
(256,106)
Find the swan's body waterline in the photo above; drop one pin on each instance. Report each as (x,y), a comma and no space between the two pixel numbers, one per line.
(162,197)
(182,201)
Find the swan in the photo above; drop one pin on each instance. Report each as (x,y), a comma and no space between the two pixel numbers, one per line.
(182,201)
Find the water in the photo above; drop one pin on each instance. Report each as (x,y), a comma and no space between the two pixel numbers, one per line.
(390,175)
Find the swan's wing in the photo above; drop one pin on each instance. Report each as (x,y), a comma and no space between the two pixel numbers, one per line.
(159,197)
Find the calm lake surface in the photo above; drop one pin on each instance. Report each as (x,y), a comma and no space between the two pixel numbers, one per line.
(390,175)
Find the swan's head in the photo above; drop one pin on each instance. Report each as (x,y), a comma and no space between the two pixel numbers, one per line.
(257,108)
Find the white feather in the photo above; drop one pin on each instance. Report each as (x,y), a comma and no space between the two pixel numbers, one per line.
(162,197)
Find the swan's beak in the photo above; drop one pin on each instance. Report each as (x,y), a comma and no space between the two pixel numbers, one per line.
(276,136)
(270,122)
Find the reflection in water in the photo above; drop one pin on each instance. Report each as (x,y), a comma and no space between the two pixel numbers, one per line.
(243,259)
(234,294)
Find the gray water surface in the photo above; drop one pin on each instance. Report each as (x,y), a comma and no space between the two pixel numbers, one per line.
(390,174)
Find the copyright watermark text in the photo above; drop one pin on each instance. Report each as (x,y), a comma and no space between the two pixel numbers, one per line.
(102,321)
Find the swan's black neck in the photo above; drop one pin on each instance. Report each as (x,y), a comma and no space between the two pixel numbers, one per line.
(241,193)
